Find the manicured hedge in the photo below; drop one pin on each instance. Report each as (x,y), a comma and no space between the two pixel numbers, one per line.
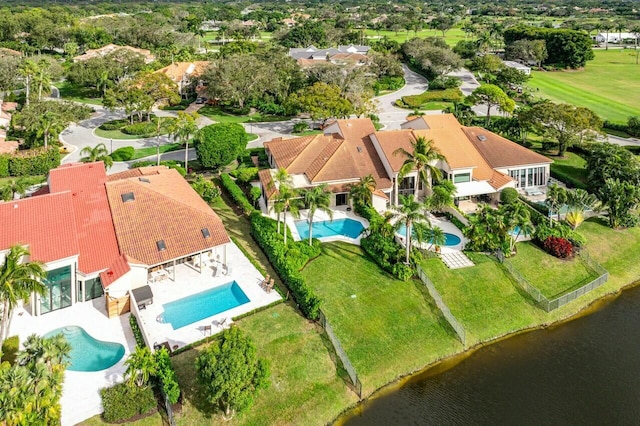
(140,129)
(236,193)
(137,334)
(10,348)
(123,402)
(245,174)
(287,261)
(167,376)
(4,166)
(123,154)
(447,95)
(34,162)
(172,164)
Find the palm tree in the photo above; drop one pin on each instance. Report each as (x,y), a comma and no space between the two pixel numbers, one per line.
(620,26)
(185,127)
(421,159)
(317,198)
(43,77)
(606,26)
(28,70)
(517,216)
(103,82)
(361,192)
(96,153)
(159,131)
(290,202)
(578,201)
(635,30)
(437,237)
(17,282)
(408,212)
(48,124)
(280,179)
(441,196)
(51,351)
(556,198)
(141,365)
(13,188)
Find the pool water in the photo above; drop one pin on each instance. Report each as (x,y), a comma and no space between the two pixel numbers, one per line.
(451,239)
(196,307)
(346,227)
(88,353)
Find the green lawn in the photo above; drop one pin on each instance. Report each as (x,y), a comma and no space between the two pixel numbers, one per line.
(386,326)
(483,297)
(552,276)
(609,85)
(218,115)
(151,150)
(72,93)
(30,180)
(433,106)
(309,133)
(452,37)
(305,386)
(571,169)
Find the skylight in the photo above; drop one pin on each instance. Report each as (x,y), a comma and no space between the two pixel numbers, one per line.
(482,138)
(161,245)
(145,180)
(127,196)
(205,232)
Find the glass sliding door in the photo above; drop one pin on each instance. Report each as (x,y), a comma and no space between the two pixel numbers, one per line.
(93,288)
(58,293)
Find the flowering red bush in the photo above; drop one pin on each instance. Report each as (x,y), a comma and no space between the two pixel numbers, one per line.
(558,247)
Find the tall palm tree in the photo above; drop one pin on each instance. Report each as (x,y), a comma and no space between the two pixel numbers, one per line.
(606,26)
(422,158)
(516,216)
(13,188)
(18,281)
(578,201)
(186,126)
(141,365)
(361,192)
(291,203)
(43,77)
(96,153)
(280,179)
(635,30)
(408,212)
(48,124)
(437,237)
(556,198)
(317,198)
(28,70)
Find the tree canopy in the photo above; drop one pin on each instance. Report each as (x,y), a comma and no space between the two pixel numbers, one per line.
(322,101)
(219,144)
(492,96)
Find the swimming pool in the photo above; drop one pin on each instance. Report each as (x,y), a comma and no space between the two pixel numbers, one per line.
(196,307)
(346,227)
(451,239)
(88,353)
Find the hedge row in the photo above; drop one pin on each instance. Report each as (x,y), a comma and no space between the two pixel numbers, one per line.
(236,193)
(287,261)
(137,333)
(29,163)
(167,376)
(123,402)
(447,95)
(123,154)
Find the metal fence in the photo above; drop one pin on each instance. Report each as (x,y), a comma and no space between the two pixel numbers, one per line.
(550,305)
(451,319)
(167,405)
(351,371)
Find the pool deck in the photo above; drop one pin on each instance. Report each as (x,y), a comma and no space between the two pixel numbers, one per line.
(81,390)
(320,216)
(190,281)
(447,227)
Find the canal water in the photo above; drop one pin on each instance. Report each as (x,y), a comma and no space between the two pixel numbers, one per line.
(584,372)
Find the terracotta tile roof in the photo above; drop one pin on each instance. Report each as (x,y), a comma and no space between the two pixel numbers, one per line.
(285,151)
(164,208)
(379,193)
(116,270)
(392,140)
(499,180)
(91,213)
(8,147)
(44,224)
(323,158)
(137,172)
(9,106)
(266,180)
(501,152)
(441,121)
(178,70)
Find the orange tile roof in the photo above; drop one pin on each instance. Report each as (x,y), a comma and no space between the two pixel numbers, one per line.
(137,172)
(501,152)
(381,194)
(116,270)
(285,151)
(43,223)
(266,180)
(498,180)
(178,70)
(165,208)
(105,50)
(390,141)
(91,213)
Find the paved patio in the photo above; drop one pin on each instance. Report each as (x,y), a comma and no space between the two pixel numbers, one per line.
(81,390)
(190,281)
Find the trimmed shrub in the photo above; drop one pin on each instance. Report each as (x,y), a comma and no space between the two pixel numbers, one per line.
(123,154)
(114,125)
(509,196)
(286,261)
(559,230)
(219,144)
(36,161)
(123,402)
(255,194)
(206,189)
(245,174)
(141,129)
(300,127)
(447,95)
(137,333)
(167,376)
(10,349)
(558,247)
(236,193)
(4,166)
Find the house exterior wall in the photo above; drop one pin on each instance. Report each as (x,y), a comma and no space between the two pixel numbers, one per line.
(379,203)
(547,173)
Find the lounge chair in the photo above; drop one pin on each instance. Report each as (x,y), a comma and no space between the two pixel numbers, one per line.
(217,271)
(223,323)
(207,329)
(270,285)
(265,282)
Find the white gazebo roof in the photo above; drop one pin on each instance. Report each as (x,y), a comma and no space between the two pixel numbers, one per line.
(467,189)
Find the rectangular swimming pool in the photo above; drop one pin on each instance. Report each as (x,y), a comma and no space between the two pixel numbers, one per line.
(196,307)
(346,227)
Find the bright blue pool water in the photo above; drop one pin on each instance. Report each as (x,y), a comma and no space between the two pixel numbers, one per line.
(87,353)
(452,240)
(347,227)
(196,307)
(515,231)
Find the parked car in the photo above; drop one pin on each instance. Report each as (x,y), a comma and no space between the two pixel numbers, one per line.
(200,101)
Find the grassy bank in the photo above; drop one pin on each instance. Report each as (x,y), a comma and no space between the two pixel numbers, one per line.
(609,85)
(69,92)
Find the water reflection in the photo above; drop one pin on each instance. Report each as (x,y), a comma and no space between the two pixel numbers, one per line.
(586,371)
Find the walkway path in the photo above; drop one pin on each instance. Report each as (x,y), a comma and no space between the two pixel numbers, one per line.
(456,260)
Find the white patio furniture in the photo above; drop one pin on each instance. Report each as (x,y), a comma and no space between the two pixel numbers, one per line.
(160,274)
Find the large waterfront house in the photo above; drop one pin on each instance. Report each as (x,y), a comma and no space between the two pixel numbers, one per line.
(99,234)
(185,75)
(480,163)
